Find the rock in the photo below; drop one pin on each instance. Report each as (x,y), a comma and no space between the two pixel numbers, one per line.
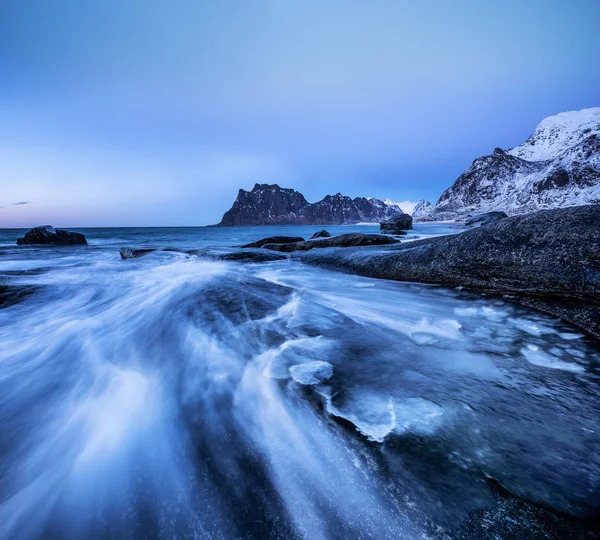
(397,225)
(549,260)
(48,235)
(135,253)
(269,204)
(321,234)
(343,240)
(488,217)
(311,372)
(11,294)
(274,240)
(251,256)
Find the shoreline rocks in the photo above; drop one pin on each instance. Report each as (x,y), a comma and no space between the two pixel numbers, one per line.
(273,240)
(397,225)
(549,260)
(46,235)
(343,240)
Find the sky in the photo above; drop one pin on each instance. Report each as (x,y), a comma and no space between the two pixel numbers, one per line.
(155,113)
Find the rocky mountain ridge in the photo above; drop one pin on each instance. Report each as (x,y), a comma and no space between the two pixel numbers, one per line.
(557,166)
(269,204)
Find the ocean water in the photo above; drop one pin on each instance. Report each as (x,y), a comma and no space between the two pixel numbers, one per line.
(176,396)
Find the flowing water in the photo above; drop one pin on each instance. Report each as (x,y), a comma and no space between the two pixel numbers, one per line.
(176,396)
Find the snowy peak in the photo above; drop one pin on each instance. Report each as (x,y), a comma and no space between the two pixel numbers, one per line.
(558,133)
(412,208)
(557,166)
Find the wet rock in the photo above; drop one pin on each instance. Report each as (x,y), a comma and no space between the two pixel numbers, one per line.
(488,217)
(135,253)
(321,234)
(251,256)
(343,240)
(550,258)
(274,240)
(11,294)
(49,236)
(397,224)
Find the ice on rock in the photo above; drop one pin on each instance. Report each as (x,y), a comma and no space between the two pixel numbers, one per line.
(417,415)
(311,372)
(531,327)
(534,355)
(371,413)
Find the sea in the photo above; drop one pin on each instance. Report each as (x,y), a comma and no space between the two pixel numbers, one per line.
(181,396)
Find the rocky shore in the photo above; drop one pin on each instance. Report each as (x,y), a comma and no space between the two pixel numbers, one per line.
(549,260)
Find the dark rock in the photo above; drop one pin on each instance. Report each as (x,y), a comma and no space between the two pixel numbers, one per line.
(550,259)
(274,240)
(269,204)
(10,294)
(488,217)
(321,234)
(343,240)
(251,256)
(135,253)
(397,224)
(48,235)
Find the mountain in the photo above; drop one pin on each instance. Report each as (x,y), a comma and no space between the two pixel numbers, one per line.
(557,166)
(419,209)
(269,204)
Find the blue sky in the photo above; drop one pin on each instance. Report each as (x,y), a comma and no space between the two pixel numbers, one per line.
(146,112)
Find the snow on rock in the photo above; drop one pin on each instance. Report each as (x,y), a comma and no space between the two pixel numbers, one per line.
(416,209)
(557,166)
(557,133)
(311,372)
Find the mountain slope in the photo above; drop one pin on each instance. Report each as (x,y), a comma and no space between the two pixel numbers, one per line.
(558,165)
(269,204)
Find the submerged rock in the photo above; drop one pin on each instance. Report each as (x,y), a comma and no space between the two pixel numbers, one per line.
(488,217)
(548,259)
(274,240)
(49,236)
(321,234)
(251,256)
(397,225)
(135,253)
(343,240)
(311,372)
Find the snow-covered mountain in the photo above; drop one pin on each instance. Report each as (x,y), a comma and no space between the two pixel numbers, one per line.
(417,209)
(557,166)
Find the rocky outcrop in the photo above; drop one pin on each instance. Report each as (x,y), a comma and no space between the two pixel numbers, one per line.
(243,255)
(49,236)
(269,204)
(343,240)
(397,225)
(321,234)
(548,259)
(557,166)
(488,217)
(274,240)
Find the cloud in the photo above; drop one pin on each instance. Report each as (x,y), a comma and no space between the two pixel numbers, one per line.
(20,203)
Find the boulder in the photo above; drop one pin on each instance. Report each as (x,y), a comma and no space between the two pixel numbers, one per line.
(321,234)
(49,236)
(396,224)
(274,240)
(549,260)
(488,217)
(343,240)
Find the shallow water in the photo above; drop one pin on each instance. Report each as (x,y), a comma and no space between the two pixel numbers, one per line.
(163,397)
